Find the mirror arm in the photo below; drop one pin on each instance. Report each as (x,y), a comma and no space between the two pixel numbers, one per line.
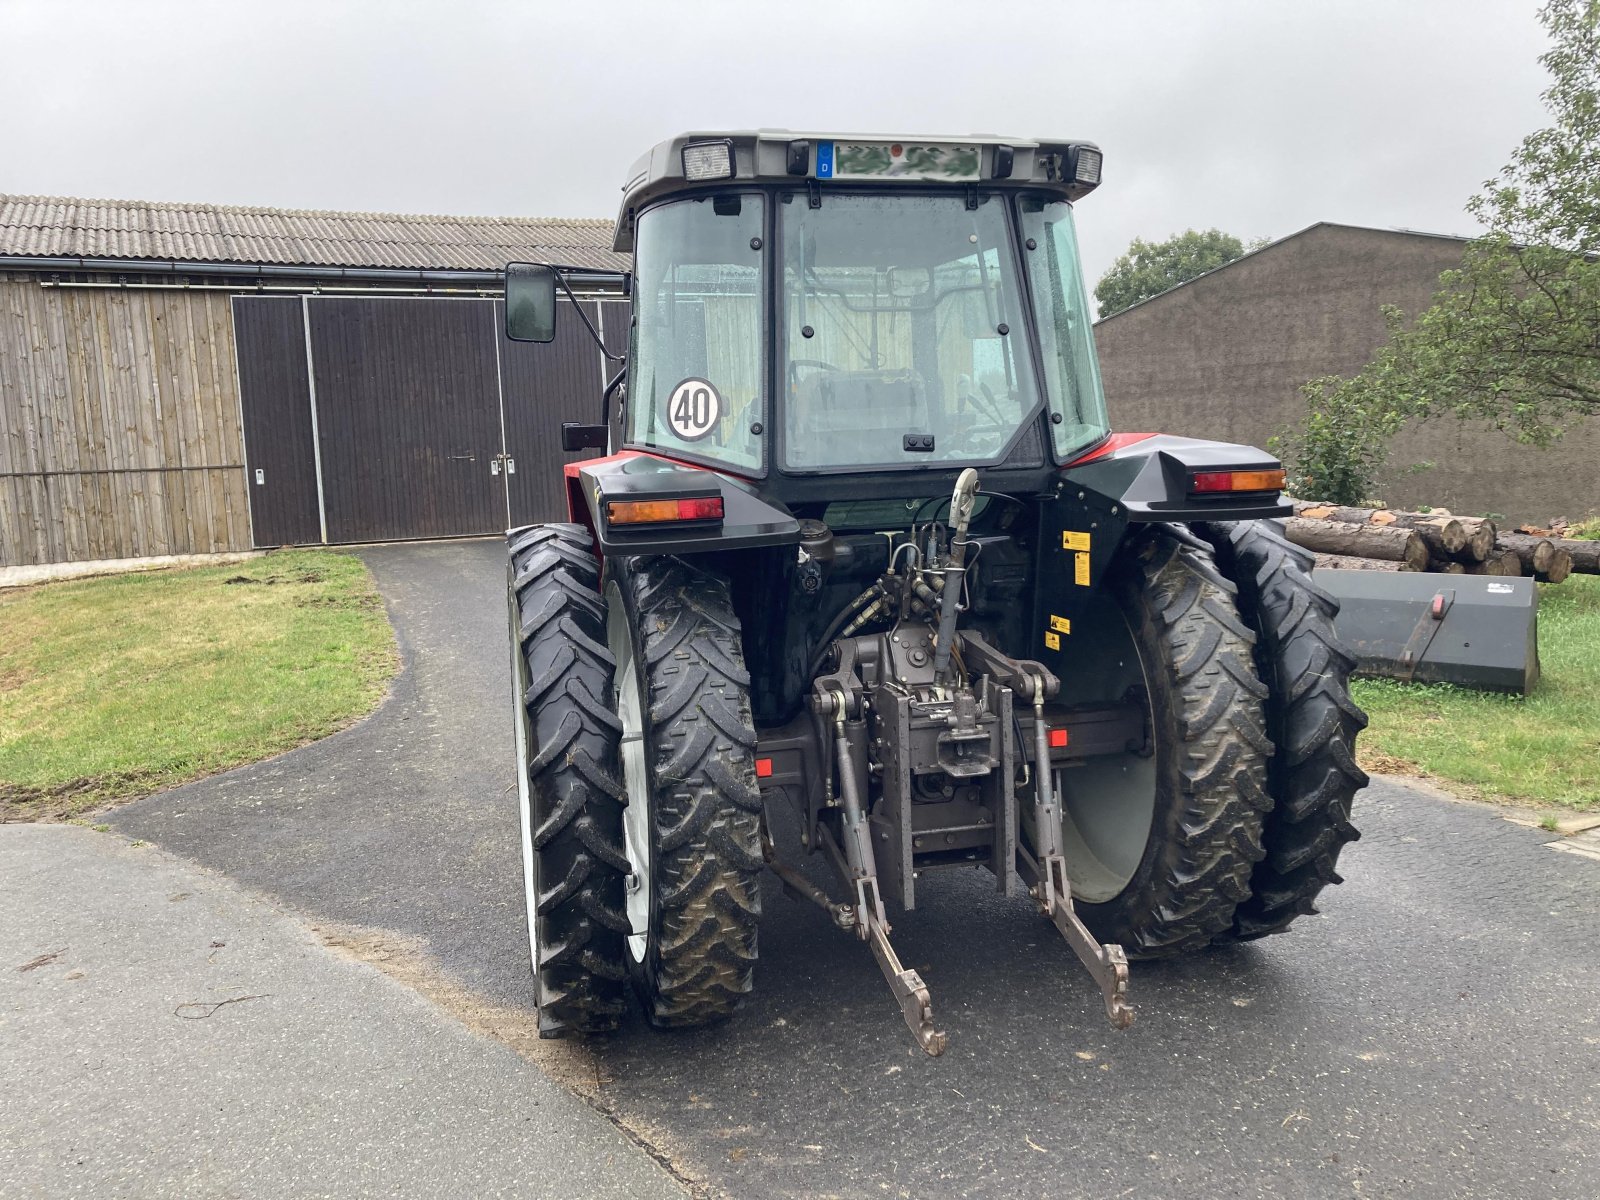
(605,396)
(587,324)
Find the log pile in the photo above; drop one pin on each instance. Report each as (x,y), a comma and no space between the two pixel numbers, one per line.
(1380,539)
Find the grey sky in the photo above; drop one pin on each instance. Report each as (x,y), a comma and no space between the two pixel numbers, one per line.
(1259,117)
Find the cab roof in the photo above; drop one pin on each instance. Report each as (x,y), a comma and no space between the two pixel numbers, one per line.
(1071,168)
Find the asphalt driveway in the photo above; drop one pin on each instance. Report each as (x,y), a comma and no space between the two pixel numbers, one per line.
(1434,1033)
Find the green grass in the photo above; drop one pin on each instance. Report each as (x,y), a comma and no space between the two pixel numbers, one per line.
(1543,749)
(123,685)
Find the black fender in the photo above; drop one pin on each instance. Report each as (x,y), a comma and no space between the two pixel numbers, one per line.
(748,521)
(1150,477)
(1129,481)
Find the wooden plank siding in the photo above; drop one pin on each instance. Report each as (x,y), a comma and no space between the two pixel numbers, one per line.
(119,423)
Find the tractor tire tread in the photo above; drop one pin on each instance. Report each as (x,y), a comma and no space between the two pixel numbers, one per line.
(574,781)
(707,848)
(1208,652)
(1311,718)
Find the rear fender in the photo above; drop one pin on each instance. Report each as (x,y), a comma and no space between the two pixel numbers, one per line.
(1131,479)
(1149,476)
(748,521)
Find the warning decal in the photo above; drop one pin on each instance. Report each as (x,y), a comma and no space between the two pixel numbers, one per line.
(1060,624)
(1074,539)
(694,410)
(1080,570)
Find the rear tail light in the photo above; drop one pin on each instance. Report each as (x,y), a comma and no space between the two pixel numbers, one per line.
(1237,481)
(657,512)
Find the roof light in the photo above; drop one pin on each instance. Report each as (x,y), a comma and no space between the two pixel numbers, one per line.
(656,512)
(1086,166)
(1237,481)
(708,160)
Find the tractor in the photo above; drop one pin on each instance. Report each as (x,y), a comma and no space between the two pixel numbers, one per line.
(864,551)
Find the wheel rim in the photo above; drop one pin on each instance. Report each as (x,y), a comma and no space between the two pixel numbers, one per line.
(636,817)
(1108,803)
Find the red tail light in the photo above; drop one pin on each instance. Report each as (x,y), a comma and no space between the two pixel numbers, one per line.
(1237,481)
(655,512)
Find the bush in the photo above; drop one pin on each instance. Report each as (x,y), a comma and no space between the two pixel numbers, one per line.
(1337,453)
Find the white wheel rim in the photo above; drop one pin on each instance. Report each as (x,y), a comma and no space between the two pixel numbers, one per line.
(636,817)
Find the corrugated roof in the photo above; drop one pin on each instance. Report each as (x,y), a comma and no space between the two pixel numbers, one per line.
(41,226)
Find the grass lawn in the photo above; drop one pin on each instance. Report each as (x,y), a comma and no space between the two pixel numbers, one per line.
(1543,749)
(123,685)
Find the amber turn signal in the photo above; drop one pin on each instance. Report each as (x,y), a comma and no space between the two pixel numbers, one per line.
(1238,481)
(655,512)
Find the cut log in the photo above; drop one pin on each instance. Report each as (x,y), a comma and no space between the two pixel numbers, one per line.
(1560,568)
(1481,533)
(1537,553)
(1461,538)
(1346,562)
(1445,566)
(1358,541)
(1585,555)
(1504,562)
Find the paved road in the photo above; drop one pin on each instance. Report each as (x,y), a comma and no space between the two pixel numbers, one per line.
(167,1034)
(1434,1034)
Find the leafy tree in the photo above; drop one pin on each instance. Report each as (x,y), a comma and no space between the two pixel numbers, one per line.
(1150,268)
(1513,336)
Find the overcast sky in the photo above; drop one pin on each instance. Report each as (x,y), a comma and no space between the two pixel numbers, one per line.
(1256,116)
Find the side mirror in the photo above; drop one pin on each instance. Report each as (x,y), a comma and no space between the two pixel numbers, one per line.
(530,302)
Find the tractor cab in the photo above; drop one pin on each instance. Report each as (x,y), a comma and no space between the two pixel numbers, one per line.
(810,306)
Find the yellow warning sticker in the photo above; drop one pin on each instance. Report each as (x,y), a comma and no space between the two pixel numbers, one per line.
(1060,624)
(1080,570)
(1074,539)
(1052,641)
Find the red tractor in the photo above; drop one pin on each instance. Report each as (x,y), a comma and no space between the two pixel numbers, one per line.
(866,546)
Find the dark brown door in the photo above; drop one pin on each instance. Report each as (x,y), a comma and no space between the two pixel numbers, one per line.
(275,400)
(544,385)
(408,417)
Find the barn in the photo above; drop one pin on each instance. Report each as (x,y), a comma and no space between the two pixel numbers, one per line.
(189,378)
(1224,355)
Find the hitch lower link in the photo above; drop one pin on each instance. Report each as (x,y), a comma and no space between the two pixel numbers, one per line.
(1052,891)
(871,923)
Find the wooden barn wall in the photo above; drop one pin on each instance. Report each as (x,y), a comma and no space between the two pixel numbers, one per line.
(119,424)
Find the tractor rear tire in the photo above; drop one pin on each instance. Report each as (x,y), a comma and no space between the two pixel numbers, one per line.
(1205,705)
(1311,719)
(572,819)
(689,762)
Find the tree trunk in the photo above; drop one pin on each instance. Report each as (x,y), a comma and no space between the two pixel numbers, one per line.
(1481,534)
(1444,566)
(1537,553)
(1345,562)
(1585,555)
(1505,562)
(1465,539)
(1559,568)
(1359,541)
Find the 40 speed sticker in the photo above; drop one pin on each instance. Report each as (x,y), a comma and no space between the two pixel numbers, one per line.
(694,409)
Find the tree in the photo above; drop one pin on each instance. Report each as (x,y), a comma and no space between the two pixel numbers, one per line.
(1513,335)
(1150,268)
